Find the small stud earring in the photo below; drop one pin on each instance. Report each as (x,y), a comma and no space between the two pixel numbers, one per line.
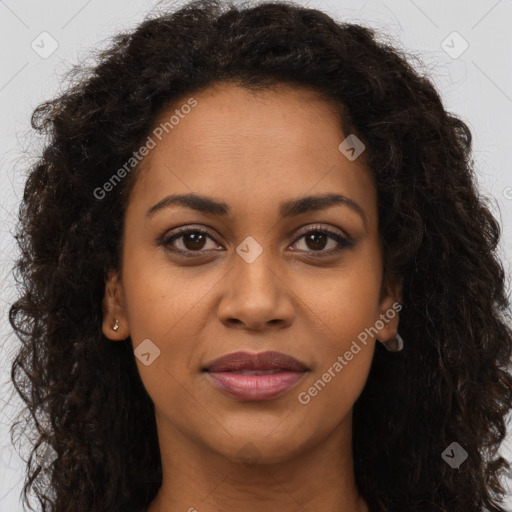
(115,327)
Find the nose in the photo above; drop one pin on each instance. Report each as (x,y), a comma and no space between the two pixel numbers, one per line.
(255,296)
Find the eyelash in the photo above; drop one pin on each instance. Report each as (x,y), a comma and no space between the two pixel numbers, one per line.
(166,240)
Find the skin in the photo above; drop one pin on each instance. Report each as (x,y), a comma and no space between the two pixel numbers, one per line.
(252,151)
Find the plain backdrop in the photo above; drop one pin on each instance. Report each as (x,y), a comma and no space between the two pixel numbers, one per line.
(465,47)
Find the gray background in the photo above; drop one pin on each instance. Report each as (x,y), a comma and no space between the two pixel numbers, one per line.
(476,84)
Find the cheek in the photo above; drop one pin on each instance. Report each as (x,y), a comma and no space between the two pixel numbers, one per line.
(346,301)
(346,305)
(162,300)
(166,308)
(168,313)
(343,354)
(327,399)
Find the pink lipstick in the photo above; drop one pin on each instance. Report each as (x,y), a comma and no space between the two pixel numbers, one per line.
(255,377)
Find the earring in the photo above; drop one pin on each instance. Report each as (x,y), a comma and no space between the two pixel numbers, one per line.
(394,345)
(115,327)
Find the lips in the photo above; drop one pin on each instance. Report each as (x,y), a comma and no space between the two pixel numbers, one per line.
(255,377)
(266,361)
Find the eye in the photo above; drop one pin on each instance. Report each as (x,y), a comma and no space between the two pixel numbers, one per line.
(191,241)
(317,238)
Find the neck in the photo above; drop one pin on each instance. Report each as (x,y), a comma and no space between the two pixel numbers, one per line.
(194,478)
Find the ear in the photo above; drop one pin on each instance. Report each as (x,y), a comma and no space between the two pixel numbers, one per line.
(390,304)
(114,308)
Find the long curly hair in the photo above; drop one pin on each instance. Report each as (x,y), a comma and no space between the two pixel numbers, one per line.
(84,396)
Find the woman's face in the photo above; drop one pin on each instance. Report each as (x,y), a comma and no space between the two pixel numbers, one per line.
(256,281)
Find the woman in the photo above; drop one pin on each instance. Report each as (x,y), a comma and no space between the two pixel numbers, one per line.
(257,275)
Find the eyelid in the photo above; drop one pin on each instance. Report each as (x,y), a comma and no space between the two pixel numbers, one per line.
(304,230)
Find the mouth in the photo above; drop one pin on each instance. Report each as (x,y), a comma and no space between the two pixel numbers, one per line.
(255,377)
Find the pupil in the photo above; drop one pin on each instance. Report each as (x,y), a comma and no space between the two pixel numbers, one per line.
(314,238)
(196,239)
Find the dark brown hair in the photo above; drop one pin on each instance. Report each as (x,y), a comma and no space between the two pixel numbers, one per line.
(451,383)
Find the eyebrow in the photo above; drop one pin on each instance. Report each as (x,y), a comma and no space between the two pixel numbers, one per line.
(289,208)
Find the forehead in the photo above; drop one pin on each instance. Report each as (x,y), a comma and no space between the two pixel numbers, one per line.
(252,146)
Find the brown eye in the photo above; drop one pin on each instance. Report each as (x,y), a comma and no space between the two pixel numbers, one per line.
(188,240)
(317,239)
(194,241)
